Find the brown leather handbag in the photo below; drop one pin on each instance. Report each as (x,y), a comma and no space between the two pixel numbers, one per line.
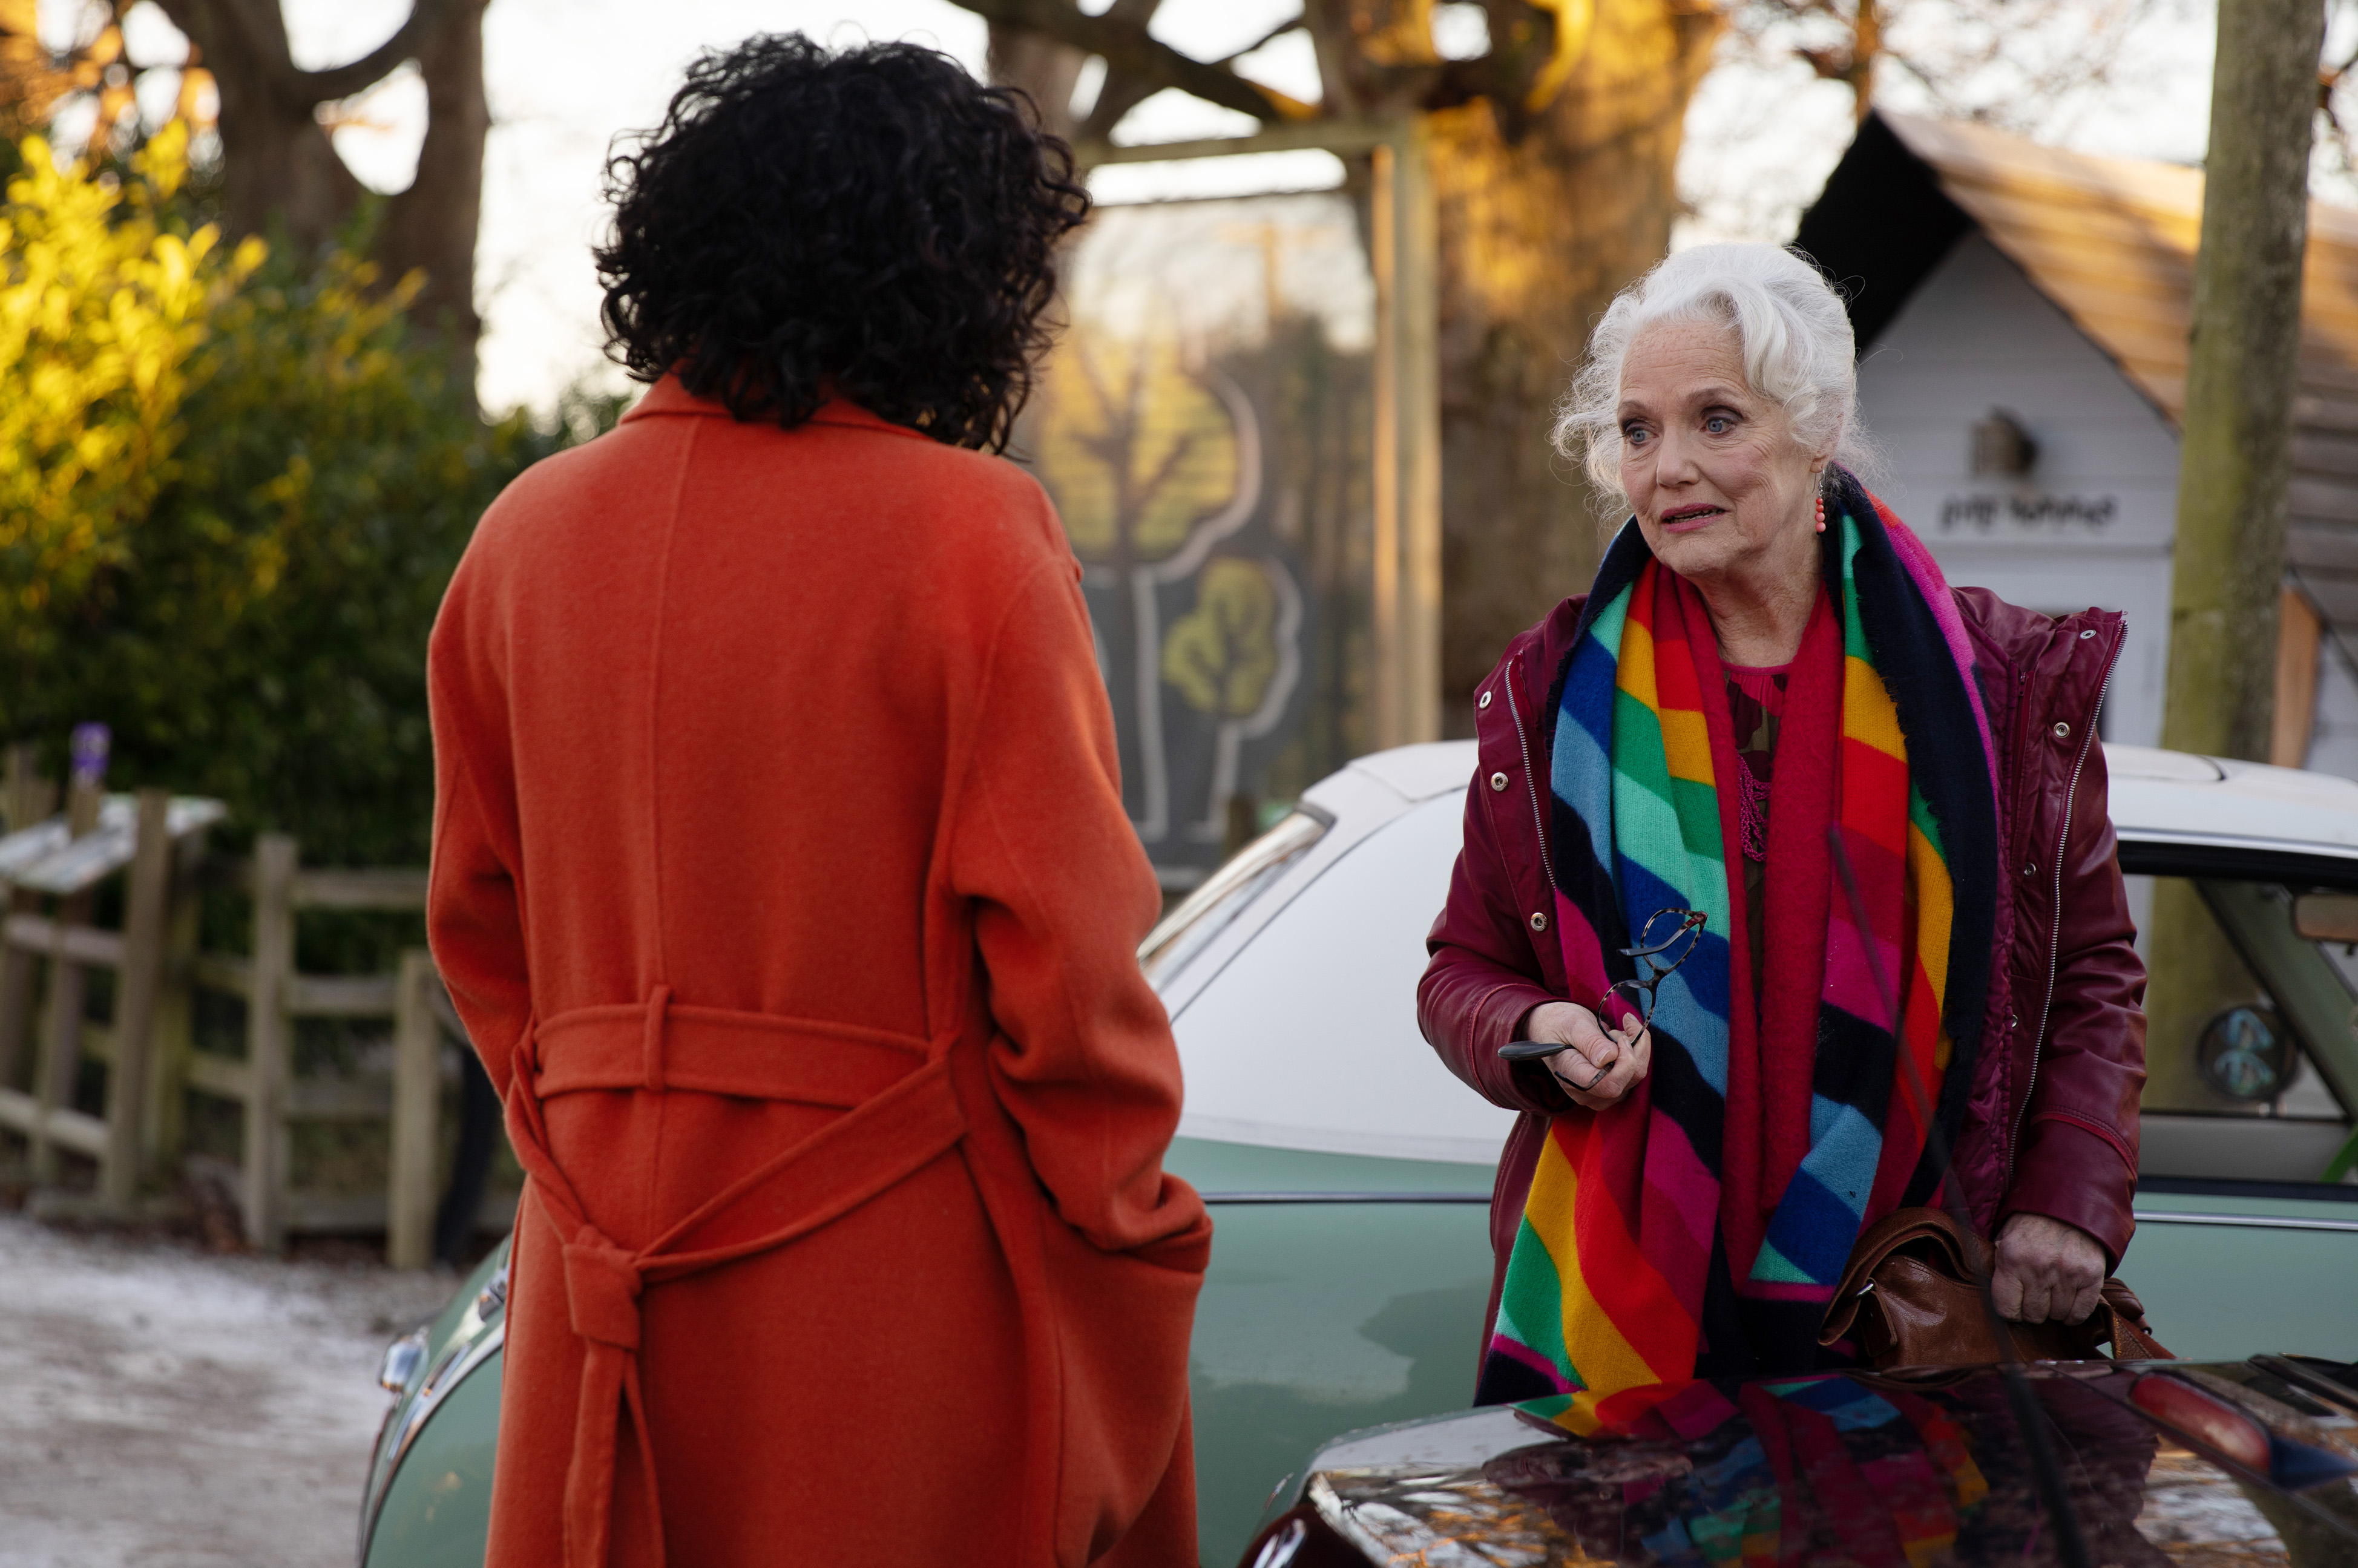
(1911,1296)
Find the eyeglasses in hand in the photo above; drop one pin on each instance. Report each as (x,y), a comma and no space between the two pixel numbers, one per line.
(1667,940)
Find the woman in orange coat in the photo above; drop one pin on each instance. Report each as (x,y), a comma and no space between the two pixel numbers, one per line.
(781,875)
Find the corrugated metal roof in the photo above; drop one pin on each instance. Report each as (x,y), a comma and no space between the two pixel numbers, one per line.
(2112,241)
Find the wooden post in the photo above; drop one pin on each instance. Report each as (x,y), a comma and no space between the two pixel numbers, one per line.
(59,1070)
(267,1028)
(28,797)
(2298,632)
(416,1106)
(1383,260)
(17,976)
(21,755)
(1418,279)
(174,1030)
(1405,245)
(137,989)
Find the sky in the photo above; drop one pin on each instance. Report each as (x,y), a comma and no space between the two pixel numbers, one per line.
(565,76)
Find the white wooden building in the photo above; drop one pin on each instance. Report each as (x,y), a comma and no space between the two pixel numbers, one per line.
(2022,320)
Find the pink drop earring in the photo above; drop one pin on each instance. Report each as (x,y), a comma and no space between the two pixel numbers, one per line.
(1821,514)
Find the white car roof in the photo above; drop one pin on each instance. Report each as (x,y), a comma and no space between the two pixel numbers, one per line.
(2178,797)
(1297,1026)
(2155,795)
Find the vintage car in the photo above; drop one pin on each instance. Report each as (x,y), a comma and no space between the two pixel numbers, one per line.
(1349,1174)
(2235,1464)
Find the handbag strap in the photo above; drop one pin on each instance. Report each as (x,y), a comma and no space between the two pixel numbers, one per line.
(1962,1256)
(2132,1337)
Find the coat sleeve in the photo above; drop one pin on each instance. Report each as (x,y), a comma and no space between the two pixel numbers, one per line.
(1062,894)
(1482,982)
(2078,1155)
(474,919)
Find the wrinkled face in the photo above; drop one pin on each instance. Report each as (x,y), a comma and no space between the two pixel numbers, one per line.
(1721,488)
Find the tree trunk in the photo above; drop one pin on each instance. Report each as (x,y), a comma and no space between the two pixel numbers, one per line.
(1536,239)
(2234,466)
(432,225)
(2236,454)
(1041,66)
(280,175)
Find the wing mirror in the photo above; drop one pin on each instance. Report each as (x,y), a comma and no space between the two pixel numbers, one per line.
(2326,916)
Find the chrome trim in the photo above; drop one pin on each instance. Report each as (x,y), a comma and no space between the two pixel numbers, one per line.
(453,1371)
(402,1359)
(494,1295)
(2250,1221)
(2315,1384)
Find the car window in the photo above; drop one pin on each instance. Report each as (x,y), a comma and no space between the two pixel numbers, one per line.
(1210,910)
(1307,1038)
(2249,1021)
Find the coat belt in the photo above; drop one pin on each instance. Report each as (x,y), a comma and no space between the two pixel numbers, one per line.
(901,1114)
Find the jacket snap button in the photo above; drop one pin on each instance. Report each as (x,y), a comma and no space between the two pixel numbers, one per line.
(1539,921)
(1497,781)
(1484,701)
(2030,871)
(2085,635)
(2062,730)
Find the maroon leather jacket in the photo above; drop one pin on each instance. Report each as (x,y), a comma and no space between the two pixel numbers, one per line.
(2050,1124)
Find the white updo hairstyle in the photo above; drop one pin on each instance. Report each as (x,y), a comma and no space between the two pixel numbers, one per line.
(1791,332)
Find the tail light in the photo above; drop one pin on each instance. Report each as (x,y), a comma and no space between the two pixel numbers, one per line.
(2223,1428)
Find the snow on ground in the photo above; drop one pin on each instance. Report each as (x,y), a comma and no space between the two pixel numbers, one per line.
(162,1408)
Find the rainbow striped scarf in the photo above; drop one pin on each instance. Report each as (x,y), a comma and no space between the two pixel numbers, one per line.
(1698,1228)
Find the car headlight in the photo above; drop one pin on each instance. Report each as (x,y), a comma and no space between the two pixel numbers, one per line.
(402,1359)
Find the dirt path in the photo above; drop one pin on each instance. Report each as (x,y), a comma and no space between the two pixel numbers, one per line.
(161,1408)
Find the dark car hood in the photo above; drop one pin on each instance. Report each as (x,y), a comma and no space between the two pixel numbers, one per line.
(1904,1470)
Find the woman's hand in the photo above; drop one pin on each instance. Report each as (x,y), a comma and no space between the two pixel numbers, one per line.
(1603,1064)
(2046,1271)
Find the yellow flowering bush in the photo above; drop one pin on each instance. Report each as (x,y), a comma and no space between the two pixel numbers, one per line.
(232,488)
(101,308)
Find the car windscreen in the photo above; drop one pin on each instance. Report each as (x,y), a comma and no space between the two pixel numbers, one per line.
(1210,909)
(1307,1037)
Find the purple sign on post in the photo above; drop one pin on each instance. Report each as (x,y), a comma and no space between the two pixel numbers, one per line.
(91,744)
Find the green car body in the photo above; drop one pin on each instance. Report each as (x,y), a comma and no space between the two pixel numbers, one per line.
(1350,1176)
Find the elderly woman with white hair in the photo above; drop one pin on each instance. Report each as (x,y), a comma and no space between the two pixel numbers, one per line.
(1852,822)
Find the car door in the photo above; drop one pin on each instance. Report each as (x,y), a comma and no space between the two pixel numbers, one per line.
(2248,1231)
(1347,1171)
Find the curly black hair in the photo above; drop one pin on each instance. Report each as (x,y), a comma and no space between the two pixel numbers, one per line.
(873,224)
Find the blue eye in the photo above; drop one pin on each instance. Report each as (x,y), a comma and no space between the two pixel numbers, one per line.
(1719,424)
(1633,435)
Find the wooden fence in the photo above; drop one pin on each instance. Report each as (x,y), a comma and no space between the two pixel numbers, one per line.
(52,870)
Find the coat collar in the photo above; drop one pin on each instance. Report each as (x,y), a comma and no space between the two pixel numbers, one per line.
(668,398)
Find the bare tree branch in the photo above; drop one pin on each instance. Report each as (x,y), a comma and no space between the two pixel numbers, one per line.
(344,80)
(1120,94)
(1266,39)
(1122,91)
(264,31)
(1525,61)
(1129,49)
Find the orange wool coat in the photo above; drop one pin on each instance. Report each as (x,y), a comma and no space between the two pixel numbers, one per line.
(782,878)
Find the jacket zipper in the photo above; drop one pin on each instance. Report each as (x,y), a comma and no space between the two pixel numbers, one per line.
(1531,784)
(2055,922)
